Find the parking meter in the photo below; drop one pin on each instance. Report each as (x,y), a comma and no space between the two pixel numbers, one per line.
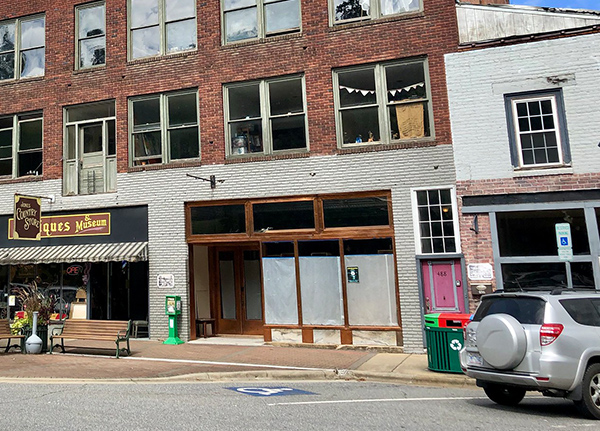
(173,309)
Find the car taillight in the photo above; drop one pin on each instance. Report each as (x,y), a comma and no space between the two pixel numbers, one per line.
(470,336)
(550,332)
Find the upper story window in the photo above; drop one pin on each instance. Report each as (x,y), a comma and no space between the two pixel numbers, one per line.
(90,160)
(355,10)
(266,116)
(251,19)
(164,128)
(22,47)
(382,103)
(437,225)
(91,35)
(537,130)
(21,145)
(159,27)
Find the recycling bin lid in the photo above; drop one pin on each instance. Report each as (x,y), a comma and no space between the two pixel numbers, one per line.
(453,320)
(432,320)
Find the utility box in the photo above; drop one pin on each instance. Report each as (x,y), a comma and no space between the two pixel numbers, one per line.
(445,339)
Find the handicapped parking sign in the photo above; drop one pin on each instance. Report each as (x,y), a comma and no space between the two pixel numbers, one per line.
(270,392)
(563,241)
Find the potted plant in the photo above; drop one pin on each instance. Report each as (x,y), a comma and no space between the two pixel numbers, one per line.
(34,299)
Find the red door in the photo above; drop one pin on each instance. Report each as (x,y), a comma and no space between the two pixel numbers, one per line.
(442,286)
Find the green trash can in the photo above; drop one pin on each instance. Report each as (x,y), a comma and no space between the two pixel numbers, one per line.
(444,337)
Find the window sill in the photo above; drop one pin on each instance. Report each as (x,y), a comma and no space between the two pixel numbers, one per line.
(160,57)
(262,40)
(24,179)
(161,166)
(539,171)
(22,80)
(375,21)
(365,148)
(265,157)
(90,70)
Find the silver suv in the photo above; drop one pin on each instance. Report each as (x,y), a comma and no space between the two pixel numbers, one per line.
(536,341)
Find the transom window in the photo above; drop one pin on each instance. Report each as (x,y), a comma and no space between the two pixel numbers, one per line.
(251,19)
(354,10)
(266,116)
(22,47)
(21,145)
(164,128)
(382,103)
(91,35)
(160,27)
(437,225)
(538,134)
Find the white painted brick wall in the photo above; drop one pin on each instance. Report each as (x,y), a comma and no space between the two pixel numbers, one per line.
(478,80)
(165,191)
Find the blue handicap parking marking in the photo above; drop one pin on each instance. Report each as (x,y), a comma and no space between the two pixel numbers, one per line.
(564,240)
(270,392)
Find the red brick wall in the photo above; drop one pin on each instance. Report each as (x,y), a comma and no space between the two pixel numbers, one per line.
(314,52)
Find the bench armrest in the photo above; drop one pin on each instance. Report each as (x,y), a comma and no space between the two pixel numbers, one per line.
(57,331)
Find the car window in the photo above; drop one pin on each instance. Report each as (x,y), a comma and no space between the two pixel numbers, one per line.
(584,311)
(525,310)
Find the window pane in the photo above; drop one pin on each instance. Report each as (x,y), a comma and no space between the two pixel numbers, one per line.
(409,121)
(181,35)
(244,102)
(145,42)
(146,114)
(7,37)
(283,215)
(246,137)
(405,82)
(182,109)
(143,13)
(112,137)
(360,125)
(357,88)
(30,163)
(32,33)
(236,4)
(367,211)
(288,133)
(348,9)
(178,9)
(92,52)
(527,275)
(533,233)
(285,97)
(218,219)
(32,62)
(283,15)
(6,167)
(147,144)
(92,138)
(71,152)
(7,66)
(241,24)
(30,136)
(184,143)
(91,21)
(91,111)
(582,274)
(389,7)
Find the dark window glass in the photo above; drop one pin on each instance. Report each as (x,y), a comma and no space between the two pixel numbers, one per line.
(283,215)
(519,276)
(30,135)
(218,219)
(533,233)
(368,246)
(582,274)
(318,248)
(584,311)
(278,249)
(368,211)
(30,163)
(526,310)
(91,111)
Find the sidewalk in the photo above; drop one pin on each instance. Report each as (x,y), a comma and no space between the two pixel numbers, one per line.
(223,359)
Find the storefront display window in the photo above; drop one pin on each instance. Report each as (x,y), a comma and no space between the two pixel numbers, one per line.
(218,219)
(364,211)
(279,278)
(283,215)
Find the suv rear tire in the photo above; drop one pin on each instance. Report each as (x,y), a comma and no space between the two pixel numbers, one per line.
(589,405)
(504,395)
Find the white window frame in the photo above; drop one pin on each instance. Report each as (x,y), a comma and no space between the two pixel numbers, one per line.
(375,13)
(17,47)
(416,219)
(261,22)
(559,129)
(16,144)
(78,39)
(162,25)
(382,103)
(164,127)
(265,116)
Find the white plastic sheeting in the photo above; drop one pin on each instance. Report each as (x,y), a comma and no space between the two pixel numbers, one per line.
(372,301)
(321,290)
(281,301)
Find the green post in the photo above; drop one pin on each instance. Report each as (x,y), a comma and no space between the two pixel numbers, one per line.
(173,309)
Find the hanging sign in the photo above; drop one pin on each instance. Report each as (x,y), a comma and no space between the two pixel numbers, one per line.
(27,216)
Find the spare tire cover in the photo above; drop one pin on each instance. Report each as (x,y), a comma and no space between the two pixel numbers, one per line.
(501,341)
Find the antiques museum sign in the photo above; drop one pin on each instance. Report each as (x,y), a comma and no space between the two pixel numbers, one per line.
(66,225)
(28,214)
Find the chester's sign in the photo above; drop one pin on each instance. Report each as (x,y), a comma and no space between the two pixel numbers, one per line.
(27,215)
(70,225)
